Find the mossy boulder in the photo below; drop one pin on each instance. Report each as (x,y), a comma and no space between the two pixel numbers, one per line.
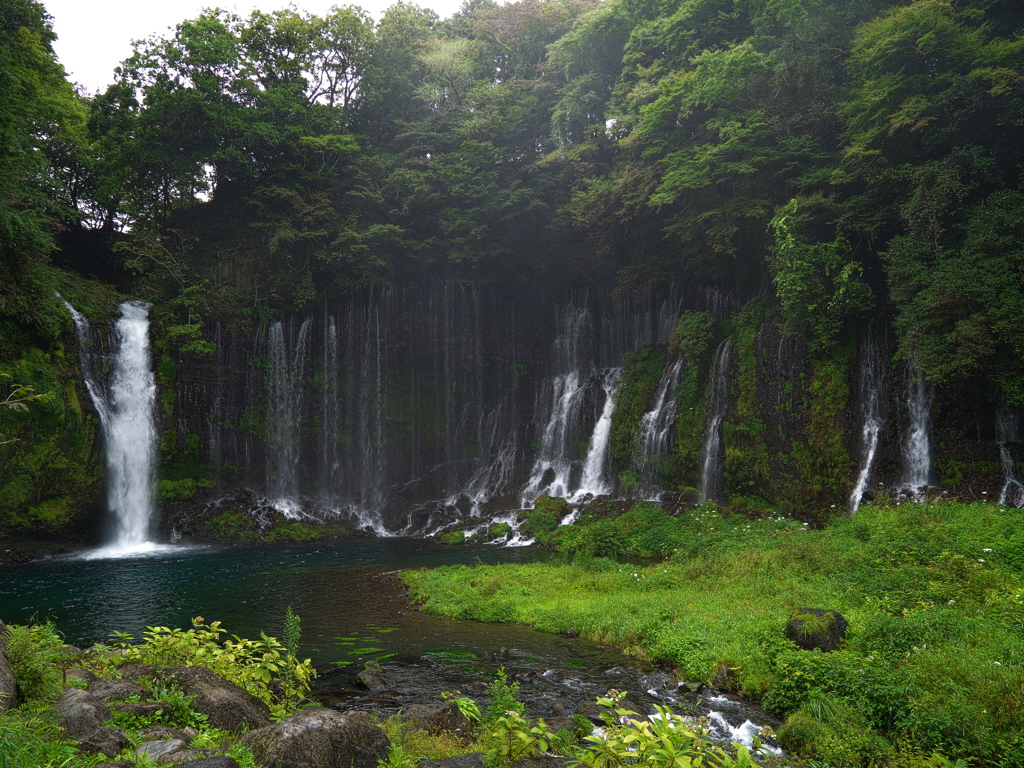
(319,738)
(817,628)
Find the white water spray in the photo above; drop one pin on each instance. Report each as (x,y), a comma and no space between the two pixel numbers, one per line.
(126,409)
(917,451)
(653,432)
(594,482)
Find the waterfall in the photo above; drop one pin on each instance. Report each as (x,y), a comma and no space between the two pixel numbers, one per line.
(874,374)
(594,481)
(285,380)
(711,471)
(653,432)
(917,450)
(551,472)
(1008,433)
(127,419)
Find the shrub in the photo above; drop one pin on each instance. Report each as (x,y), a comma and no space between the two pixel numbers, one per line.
(35,652)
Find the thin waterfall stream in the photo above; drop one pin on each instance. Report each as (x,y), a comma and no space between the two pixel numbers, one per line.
(873,384)
(711,470)
(917,450)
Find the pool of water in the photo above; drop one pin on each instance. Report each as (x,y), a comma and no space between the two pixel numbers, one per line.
(352,606)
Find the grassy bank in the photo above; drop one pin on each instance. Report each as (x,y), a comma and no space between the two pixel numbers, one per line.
(933,659)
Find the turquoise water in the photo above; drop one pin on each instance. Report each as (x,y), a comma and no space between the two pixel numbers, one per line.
(352,606)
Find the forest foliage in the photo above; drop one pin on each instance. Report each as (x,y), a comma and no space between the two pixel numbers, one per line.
(837,156)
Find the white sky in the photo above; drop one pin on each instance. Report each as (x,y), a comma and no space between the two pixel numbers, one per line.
(94,36)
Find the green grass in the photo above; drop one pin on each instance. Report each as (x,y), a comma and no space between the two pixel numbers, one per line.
(934,658)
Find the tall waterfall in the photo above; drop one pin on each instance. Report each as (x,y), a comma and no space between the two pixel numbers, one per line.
(126,409)
(1008,434)
(285,390)
(711,470)
(917,449)
(874,377)
(653,433)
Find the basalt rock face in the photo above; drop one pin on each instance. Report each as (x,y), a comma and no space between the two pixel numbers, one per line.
(407,409)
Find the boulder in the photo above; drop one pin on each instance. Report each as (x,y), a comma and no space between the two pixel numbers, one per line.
(319,738)
(437,718)
(8,686)
(374,677)
(135,670)
(186,756)
(80,713)
(84,675)
(817,629)
(115,690)
(158,732)
(108,741)
(221,761)
(154,750)
(229,707)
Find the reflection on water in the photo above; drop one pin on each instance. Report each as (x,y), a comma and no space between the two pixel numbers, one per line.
(351,605)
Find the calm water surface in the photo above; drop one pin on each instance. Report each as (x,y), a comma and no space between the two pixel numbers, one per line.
(352,606)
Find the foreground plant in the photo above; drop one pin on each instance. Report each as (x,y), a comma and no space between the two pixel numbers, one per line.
(250,664)
(665,740)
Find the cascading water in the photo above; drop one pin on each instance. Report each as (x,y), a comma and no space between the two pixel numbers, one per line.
(653,432)
(594,480)
(1008,434)
(285,389)
(126,410)
(874,377)
(551,473)
(917,450)
(711,470)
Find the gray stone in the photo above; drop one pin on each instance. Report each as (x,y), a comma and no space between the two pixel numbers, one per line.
(229,707)
(438,718)
(8,685)
(817,629)
(472,760)
(186,756)
(135,670)
(157,732)
(108,741)
(221,761)
(374,677)
(115,690)
(80,713)
(154,750)
(319,738)
(84,675)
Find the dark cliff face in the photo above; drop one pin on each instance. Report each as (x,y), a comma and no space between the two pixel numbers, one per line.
(406,407)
